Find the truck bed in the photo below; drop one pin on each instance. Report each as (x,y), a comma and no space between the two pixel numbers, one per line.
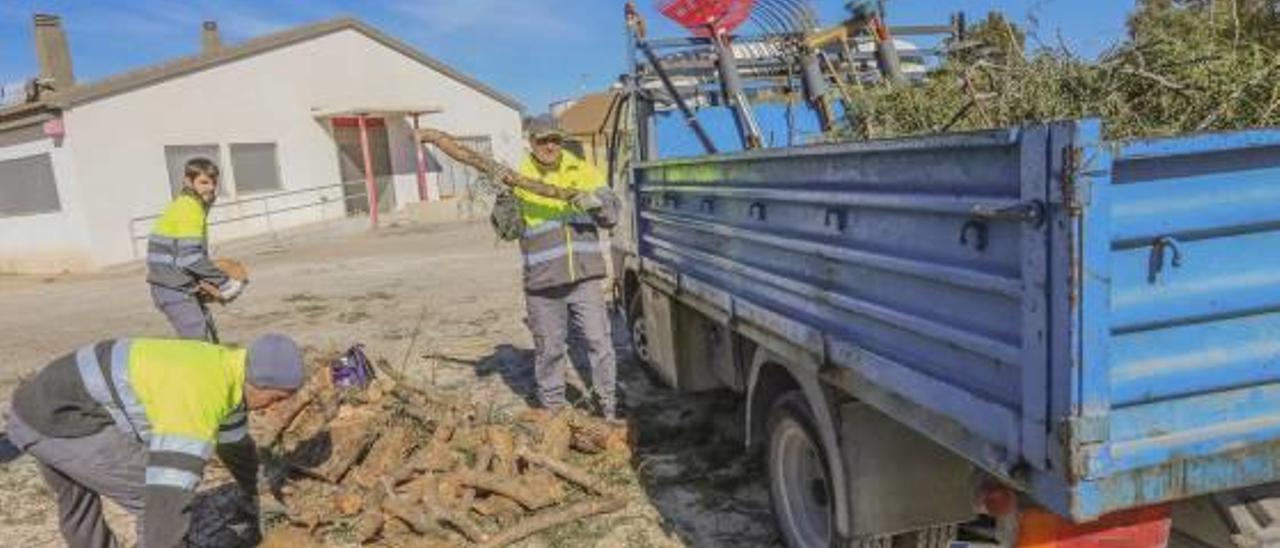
(1011,294)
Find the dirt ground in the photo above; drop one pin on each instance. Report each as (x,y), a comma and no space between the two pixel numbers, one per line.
(444,302)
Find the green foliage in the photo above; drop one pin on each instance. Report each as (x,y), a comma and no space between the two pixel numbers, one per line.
(1187,65)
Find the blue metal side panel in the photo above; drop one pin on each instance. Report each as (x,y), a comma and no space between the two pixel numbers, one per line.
(1117,378)
(1180,320)
(872,257)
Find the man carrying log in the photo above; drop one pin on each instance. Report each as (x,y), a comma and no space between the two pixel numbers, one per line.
(564,261)
(135,420)
(182,277)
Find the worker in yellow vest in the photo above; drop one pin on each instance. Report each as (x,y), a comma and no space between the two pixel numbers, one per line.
(564,262)
(135,420)
(178,256)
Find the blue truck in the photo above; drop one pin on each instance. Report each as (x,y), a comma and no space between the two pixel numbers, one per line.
(1023,322)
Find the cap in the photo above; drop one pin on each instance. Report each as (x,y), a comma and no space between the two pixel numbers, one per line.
(274,362)
(544,127)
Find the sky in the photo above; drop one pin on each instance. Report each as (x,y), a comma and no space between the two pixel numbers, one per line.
(538,51)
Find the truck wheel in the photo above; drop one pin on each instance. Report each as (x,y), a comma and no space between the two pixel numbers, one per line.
(638,328)
(799,479)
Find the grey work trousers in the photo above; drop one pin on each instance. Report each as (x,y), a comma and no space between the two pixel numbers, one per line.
(189,317)
(553,313)
(79,471)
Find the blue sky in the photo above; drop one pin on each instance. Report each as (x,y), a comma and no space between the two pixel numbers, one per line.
(536,50)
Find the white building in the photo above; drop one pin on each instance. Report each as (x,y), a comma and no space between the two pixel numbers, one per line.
(84,168)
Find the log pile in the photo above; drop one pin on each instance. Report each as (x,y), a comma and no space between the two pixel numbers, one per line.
(396,464)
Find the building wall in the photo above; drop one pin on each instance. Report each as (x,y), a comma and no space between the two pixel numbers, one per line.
(46,242)
(272,97)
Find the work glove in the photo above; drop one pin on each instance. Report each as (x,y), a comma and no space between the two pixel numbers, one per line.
(586,201)
(610,207)
(506,219)
(229,290)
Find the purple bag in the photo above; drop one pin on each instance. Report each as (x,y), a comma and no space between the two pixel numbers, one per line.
(352,369)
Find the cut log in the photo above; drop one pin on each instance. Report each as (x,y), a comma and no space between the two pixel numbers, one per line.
(309,503)
(405,511)
(286,537)
(563,469)
(435,456)
(453,148)
(349,435)
(511,488)
(427,521)
(502,441)
(552,518)
(386,454)
(371,519)
(483,457)
(545,484)
(593,436)
(277,418)
(421,487)
(309,423)
(497,506)
(348,503)
(467,438)
(555,436)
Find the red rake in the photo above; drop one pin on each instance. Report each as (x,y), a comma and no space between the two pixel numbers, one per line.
(702,16)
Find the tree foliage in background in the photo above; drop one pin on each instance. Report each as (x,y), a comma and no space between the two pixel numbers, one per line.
(1187,65)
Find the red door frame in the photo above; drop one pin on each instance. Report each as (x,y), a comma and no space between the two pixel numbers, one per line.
(371,188)
(423,194)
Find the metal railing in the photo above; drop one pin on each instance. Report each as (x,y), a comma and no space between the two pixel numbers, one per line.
(267,211)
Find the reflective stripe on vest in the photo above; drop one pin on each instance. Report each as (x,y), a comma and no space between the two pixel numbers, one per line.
(180,252)
(561,251)
(182,444)
(558,257)
(112,390)
(177,243)
(133,408)
(96,385)
(172,477)
(547,226)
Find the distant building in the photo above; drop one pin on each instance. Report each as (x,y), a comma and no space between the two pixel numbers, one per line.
(589,121)
(292,118)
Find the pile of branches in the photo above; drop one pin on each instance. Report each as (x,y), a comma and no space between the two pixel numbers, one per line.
(398,464)
(1187,65)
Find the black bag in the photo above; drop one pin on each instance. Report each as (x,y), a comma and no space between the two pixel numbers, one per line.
(506,219)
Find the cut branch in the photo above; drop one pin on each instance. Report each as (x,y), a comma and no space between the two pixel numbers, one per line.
(563,469)
(500,173)
(553,518)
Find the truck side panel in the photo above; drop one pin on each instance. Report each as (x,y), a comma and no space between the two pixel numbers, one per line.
(1187,353)
(871,257)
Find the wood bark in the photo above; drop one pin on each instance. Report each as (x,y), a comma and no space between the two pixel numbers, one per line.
(563,469)
(449,145)
(277,418)
(552,518)
(507,487)
(386,454)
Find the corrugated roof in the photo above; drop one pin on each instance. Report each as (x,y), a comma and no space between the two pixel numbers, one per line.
(135,79)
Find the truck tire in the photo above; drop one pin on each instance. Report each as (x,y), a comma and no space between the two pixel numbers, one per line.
(799,478)
(638,329)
